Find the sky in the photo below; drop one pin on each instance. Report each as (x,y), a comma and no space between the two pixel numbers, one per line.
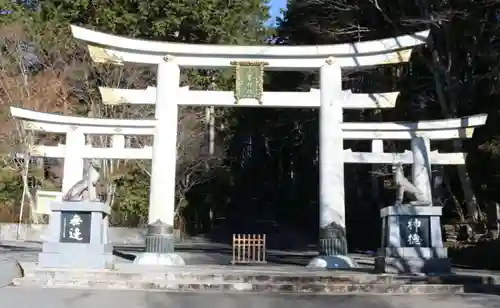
(276,6)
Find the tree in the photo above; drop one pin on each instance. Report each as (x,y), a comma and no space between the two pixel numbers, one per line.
(454,76)
(63,58)
(27,79)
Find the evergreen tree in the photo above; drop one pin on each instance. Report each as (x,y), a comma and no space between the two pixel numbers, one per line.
(455,75)
(46,29)
(205,21)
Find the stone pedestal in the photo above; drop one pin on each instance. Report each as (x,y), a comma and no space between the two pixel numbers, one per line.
(160,238)
(412,240)
(77,236)
(159,246)
(332,241)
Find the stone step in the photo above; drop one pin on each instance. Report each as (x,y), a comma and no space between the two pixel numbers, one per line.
(203,275)
(195,286)
(170,278)
(250,279)
(231,277)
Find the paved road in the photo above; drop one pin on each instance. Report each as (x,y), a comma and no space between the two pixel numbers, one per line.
(65,298)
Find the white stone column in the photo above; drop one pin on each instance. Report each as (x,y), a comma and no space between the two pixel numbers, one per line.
(332,201)
(162,191)
(421,168)
(159,238)
(377,147)
(73,160)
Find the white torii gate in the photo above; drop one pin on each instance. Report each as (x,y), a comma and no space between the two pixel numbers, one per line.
(75,150)
(420,133)
(329,59)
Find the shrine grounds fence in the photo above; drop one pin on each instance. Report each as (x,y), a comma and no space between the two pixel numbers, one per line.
(249,249)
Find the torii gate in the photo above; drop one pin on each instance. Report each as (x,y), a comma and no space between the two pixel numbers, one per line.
(419,133)
(329,59)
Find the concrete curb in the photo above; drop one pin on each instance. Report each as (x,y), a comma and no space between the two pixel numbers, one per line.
(251,279)
(246,287)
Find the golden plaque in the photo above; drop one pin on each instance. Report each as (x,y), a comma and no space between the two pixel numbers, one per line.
(249,80)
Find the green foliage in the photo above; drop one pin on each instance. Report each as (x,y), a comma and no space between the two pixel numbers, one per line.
(11,187)
(11,190)
(130,208)
(208,21)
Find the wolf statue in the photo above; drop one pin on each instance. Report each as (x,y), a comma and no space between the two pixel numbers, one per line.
(85,189)
(404,185)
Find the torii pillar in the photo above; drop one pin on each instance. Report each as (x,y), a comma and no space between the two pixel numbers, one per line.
(160,235)
(331,150)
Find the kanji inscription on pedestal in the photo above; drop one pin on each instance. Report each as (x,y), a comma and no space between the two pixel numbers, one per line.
(414,231)
(75,227)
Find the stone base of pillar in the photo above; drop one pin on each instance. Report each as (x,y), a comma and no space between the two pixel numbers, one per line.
(332,241)
(150,258)
(333,262)
(160,238)
(160,243)
(332,249)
